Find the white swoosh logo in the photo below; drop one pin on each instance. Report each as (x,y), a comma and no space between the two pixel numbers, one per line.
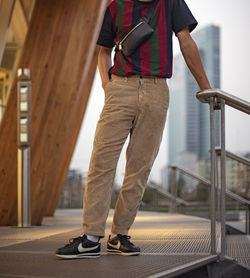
(117,246)
(83,249)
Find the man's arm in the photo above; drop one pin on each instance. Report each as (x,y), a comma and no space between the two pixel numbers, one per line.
(104,64)
(191,55)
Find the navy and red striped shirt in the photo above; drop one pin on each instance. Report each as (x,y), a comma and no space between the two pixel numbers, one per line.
(155,56)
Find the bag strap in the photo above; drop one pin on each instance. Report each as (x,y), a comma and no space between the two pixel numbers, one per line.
(147,17)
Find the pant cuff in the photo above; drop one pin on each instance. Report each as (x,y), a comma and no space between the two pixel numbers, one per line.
(119,231)
(94,233)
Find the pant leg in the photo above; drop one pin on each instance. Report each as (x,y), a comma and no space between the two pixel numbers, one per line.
(142,150)
(112,130)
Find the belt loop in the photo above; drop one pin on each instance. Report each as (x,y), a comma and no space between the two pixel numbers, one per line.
(126,79)
(155,80)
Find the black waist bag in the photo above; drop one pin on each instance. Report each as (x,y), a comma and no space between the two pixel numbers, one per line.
(140,33)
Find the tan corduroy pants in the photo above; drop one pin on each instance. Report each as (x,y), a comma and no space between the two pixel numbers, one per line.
(133,106)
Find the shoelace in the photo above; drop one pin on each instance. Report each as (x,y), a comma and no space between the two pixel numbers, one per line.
(73,240)
(125,239)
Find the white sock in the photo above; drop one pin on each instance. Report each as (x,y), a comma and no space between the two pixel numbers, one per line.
(113,235)
(93,238)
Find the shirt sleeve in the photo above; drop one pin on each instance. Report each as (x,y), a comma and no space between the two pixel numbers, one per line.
(107,33)
(182,17)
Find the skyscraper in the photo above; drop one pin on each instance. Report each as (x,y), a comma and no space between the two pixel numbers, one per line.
(189,134)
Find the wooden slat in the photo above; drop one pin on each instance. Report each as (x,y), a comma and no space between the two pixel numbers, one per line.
(75,117)
(60,50)
(19,24)
(6,9)
(27,6)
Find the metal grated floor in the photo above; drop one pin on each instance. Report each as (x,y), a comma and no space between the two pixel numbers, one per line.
(166,240)
(238,247)
(107,266)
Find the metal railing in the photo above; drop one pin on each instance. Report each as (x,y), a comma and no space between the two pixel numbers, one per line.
(204,181)
(240,159)
(240,199)
(233,101)
(168,195)
(190,174)
(217,100)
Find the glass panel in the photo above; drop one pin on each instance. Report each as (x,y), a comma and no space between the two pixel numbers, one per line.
(24,106)
(23,121)
(24,90)
(23,137)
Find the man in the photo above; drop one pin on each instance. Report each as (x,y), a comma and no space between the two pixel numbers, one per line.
(136,103)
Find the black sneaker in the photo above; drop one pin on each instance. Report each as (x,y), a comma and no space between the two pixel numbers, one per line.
(121,245)
(79,247)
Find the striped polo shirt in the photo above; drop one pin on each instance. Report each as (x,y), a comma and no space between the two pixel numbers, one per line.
(155,56)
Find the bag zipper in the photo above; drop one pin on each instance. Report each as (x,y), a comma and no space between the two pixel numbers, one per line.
(120,43)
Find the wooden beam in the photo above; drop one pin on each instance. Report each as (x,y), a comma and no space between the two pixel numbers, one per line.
(60,49)
(6,10)
(56,191)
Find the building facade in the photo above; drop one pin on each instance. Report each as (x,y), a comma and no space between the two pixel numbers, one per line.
(189,128)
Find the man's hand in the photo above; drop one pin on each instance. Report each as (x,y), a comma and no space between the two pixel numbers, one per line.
(191,55)
(104,64)
(104,84)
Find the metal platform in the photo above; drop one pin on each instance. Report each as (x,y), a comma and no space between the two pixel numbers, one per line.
(171,244)
(239,226)
(238,247)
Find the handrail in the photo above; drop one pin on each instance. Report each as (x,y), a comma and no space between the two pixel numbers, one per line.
(238,198)
(169,195)
(190,173)
(217,100)
(233,101)
(207,182)
(234,156)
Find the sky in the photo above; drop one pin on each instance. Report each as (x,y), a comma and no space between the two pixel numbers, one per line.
(234,20)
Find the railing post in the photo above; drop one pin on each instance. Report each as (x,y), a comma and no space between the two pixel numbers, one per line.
(212,174)
(217,100)
(173,189)
(223,180)
(217,178)
(248,220)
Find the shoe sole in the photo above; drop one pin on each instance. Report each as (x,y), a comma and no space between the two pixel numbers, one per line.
(80,256)
(119,252)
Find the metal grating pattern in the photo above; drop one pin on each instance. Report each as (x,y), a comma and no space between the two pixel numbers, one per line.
(166,240)
(164,244)
(238,247)
(106,266)
(173,246)
(168,233)
(243,260)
